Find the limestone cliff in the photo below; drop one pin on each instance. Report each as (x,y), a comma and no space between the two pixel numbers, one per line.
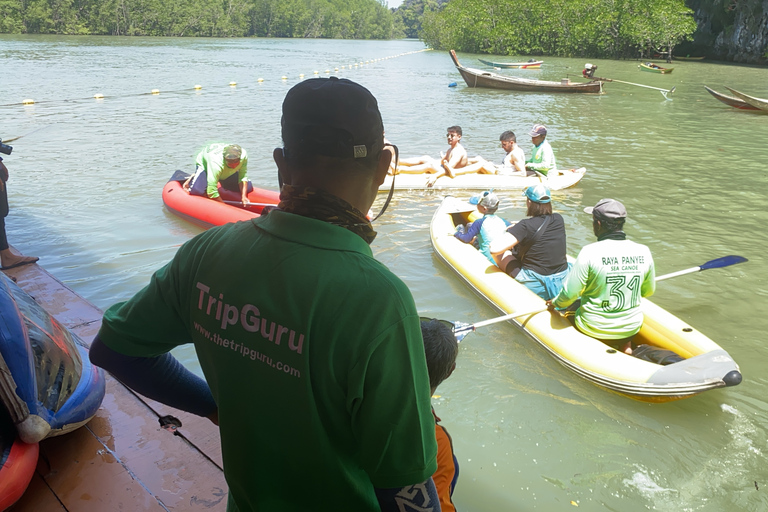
(733,30)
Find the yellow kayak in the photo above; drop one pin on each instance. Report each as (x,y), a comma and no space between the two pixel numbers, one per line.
(705,366)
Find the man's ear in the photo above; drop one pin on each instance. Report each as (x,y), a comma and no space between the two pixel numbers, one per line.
(382,166)
(283,176)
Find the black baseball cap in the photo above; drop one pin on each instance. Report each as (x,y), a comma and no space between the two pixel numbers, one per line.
(332,117)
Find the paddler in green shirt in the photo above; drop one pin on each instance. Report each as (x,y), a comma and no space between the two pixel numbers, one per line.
(220,163)
(542,157)
(609,276)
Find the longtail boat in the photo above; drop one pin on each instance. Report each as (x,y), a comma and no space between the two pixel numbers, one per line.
(531,64)
(479,78)
(759,103)
(730,100)
(675,57)
(653,68)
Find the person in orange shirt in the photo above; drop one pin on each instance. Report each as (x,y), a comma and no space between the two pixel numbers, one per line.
(441,349)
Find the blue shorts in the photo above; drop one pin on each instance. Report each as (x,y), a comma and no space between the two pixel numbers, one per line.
(546,287)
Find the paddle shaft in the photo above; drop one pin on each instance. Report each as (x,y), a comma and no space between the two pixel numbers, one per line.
(245,205)
(632,83)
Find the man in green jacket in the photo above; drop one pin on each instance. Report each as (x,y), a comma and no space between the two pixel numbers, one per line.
(311,348)
(220,163)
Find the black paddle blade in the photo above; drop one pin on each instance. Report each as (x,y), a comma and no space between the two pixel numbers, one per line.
(725,261)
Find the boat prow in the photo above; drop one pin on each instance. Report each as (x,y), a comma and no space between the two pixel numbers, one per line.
(566,179)
(706,365)
(47,383)
(758,103)
(730,100)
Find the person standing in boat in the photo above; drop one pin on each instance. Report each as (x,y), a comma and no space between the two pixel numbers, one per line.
(542,157)
(609,277)
(538,260)
(8,258)
(485,229)
(311,347)
(224,164)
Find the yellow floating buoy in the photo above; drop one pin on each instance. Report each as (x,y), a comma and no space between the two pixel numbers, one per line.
(232,84)
(283,77)
(301,75)
(327,70)
(28,101)
(335,69)
(260,80)
(317,72)
(197,87)
(155,91)
(98,96)
(342,67)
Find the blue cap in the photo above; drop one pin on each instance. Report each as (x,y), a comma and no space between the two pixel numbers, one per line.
(538,193)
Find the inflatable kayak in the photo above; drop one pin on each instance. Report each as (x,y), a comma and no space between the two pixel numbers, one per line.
(47,383)
(704,365)
(208,213)
(17,462)
(482,181)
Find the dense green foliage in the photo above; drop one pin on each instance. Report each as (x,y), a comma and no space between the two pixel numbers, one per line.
(409,14)
(596,28)
(351,19)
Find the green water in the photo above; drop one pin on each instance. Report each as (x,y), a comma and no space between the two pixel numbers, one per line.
(529,435)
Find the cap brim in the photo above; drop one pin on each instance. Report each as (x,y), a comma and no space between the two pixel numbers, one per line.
(589,209)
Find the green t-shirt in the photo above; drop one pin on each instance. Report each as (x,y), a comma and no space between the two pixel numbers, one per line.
(313,352)
(211,158)
(610,277)
(542,158)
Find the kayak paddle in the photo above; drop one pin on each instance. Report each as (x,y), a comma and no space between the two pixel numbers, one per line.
(725,261)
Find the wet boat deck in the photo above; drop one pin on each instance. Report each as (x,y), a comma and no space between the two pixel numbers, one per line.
(122,459)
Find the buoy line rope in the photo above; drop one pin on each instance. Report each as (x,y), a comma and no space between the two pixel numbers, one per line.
(198,88)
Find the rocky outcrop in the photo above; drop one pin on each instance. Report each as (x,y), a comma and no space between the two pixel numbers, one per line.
(732,30)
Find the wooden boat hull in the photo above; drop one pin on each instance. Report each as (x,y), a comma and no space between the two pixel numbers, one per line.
(730,100)
(482,181)
(479,78)
(514,65)
(662,71)
(208,213)
(758,103)
(47,383)
(706,366)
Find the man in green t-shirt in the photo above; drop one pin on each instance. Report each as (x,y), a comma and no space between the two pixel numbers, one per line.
(311,349)
(610,276)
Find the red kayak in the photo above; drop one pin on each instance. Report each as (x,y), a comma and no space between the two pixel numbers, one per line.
(17,462)
(208,213)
